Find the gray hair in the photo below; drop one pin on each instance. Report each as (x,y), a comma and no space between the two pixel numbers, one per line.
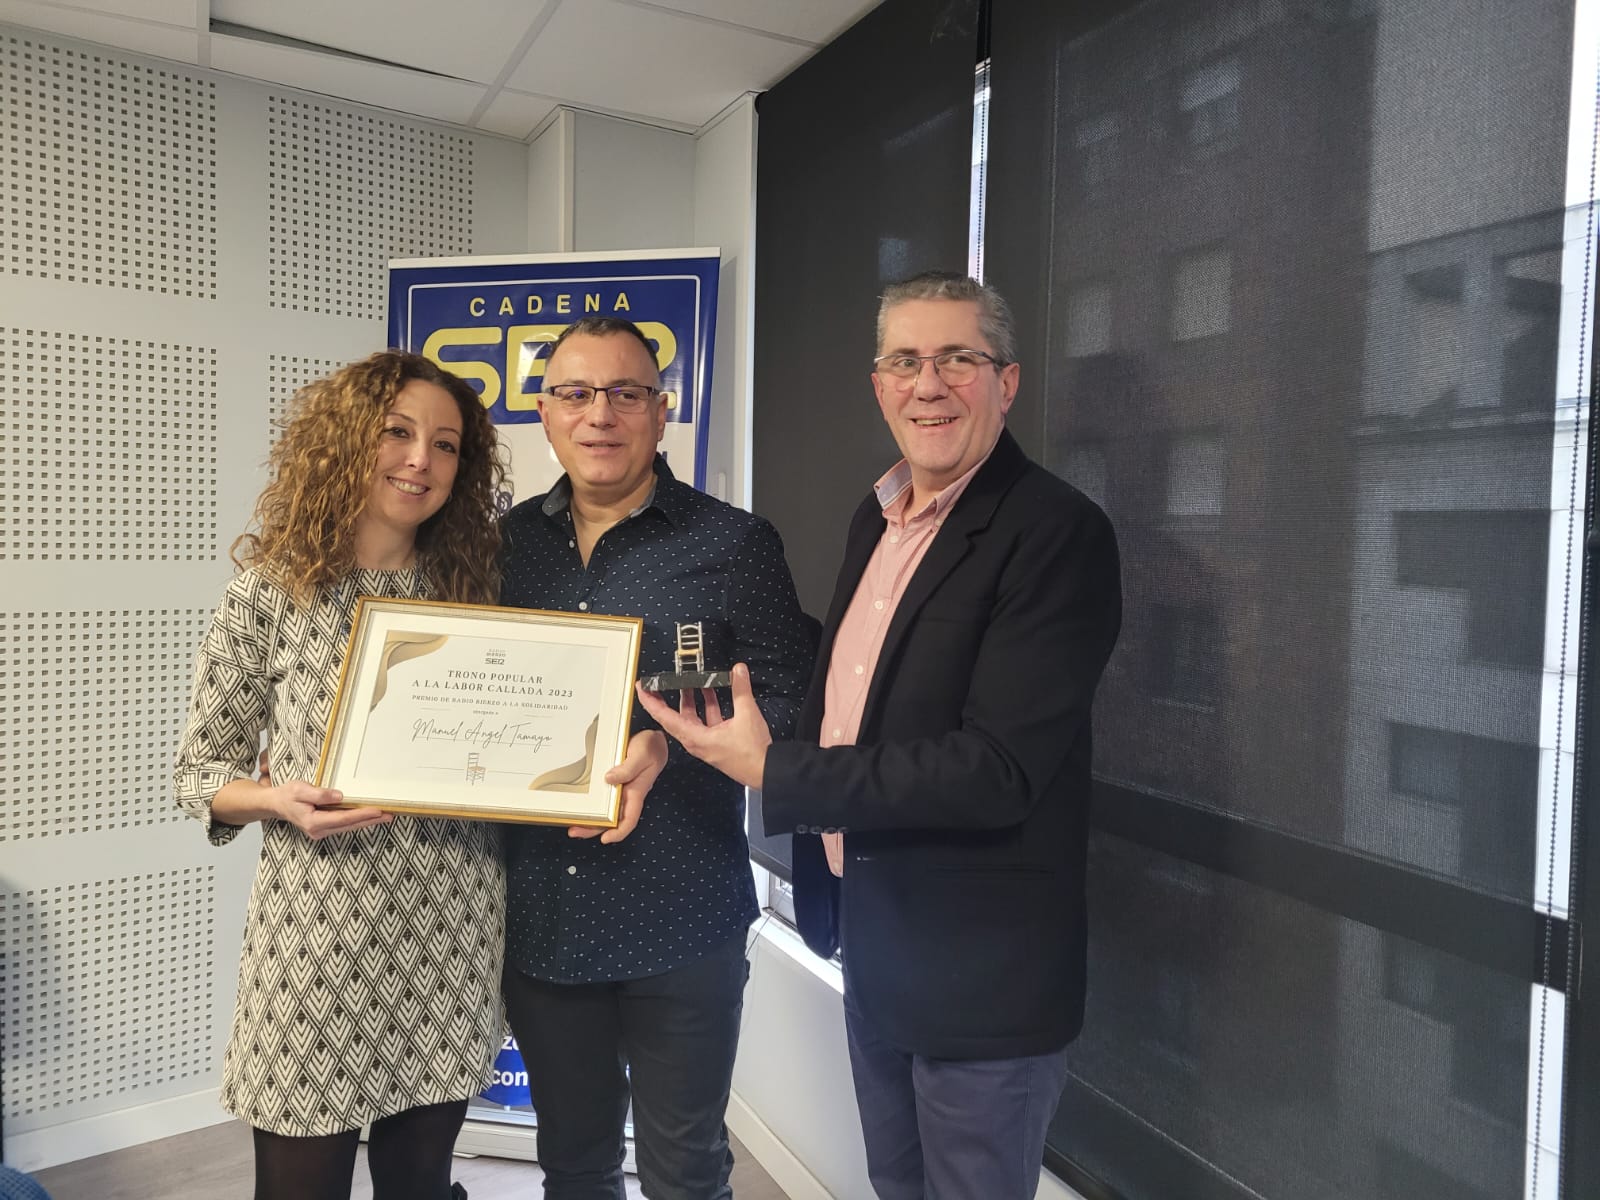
(994,314)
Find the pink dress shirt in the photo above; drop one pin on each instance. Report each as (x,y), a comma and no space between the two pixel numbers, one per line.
(859,640)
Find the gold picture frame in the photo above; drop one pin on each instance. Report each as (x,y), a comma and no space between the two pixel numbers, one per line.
(481,712)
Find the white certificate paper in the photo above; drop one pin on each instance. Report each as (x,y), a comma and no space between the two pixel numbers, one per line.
(475,711)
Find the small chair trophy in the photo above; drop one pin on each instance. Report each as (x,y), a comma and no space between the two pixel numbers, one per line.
(688,666)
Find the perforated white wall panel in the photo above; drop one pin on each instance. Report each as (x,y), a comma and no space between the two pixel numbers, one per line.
(104,1008)
(83,697)
(110,169)
(108,448)
(179,252)
(287,374)
(349,191)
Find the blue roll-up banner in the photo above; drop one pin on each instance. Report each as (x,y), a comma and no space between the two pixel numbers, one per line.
(508,1081)
(491,320)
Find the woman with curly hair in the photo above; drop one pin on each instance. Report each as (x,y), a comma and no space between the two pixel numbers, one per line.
(369,987)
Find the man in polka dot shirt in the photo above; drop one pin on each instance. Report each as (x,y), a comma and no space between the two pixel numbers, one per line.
(947,727)
(632,955)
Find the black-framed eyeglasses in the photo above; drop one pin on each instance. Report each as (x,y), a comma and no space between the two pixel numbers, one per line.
(955,367)
(624,397)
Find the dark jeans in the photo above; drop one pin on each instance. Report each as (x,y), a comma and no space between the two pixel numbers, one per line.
(672,1037)
(948,1129)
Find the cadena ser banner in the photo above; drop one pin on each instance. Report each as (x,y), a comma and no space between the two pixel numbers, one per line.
(491,320)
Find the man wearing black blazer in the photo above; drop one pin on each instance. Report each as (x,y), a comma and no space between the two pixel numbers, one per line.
(943,754)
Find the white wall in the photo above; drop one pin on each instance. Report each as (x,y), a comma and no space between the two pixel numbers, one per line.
(724,216)
(633,185)
(791,1081)
(601,183)
(550,186)
(161,300)
(629,186)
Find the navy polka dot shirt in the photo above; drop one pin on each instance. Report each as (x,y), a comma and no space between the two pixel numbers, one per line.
(680,885)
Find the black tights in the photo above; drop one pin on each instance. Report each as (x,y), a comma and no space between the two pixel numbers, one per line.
(408,1155)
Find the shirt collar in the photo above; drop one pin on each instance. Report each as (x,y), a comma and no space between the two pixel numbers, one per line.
(558,500)
(894,491)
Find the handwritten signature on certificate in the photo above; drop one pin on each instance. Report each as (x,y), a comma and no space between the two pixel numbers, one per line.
(480,733)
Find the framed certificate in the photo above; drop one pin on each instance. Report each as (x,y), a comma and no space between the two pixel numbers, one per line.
(467,710)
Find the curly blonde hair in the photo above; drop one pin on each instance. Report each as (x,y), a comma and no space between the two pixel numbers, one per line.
(322,465)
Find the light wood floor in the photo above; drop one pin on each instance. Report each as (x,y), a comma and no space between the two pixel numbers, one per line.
(215,1164)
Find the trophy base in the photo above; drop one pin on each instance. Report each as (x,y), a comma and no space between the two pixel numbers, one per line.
(668,681)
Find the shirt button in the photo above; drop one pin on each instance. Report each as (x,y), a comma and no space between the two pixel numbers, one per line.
(894,537)
(573,543)
(860,670)
(572,870)
(878,604)
(837,734)
(583,606)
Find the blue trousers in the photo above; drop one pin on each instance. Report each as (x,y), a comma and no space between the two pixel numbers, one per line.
(668,1042)
(948,1129)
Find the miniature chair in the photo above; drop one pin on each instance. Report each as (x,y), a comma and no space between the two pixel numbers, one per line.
(689,655)
(475,771)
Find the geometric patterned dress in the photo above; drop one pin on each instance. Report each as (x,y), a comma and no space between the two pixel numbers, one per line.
(370,976)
